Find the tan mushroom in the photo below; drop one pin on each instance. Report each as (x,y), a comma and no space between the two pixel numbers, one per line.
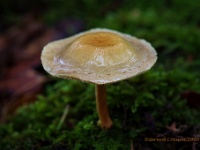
(98,56)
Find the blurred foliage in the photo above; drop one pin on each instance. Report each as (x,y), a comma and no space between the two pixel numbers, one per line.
(141,106)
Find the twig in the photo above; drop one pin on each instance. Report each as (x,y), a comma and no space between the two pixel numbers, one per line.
(62,119)
(125,116)
(194,146)
(132,147)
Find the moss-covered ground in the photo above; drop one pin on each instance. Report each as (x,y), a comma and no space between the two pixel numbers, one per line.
(64,117)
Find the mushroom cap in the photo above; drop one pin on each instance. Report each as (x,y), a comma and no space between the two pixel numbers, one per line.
(98,56)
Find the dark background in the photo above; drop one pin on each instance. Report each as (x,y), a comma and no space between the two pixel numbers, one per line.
(173,28)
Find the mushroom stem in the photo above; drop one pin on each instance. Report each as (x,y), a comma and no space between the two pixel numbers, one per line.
(102,108)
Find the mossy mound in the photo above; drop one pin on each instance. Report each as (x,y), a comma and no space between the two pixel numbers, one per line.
(140,107)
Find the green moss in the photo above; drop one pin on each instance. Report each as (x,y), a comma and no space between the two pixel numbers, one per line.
(145,103)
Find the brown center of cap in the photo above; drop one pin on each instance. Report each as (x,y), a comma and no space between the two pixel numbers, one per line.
(97,49)
(100,39)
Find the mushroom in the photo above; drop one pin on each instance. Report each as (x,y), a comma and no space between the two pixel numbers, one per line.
(99,56)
